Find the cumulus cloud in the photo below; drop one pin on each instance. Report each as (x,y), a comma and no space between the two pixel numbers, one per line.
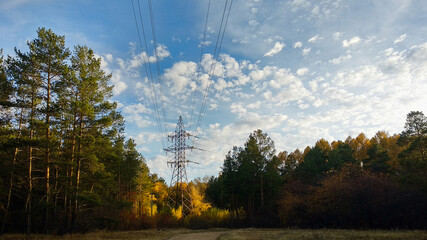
(278,46)
(340,59)
(136,108)
(222,84)
(300,4)
(213,106)
(255,105)
(180,75)
(119,87)
(302,71)
(345,98)
(162,52)
(352,41)
(237,108)
(306,51)
(159,164)
(297,45)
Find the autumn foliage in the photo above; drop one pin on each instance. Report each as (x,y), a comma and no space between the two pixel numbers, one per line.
(67,167)
(357,183)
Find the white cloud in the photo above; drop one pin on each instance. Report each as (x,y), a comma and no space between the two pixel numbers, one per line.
(302,71)
(139,59)
(213,106)
(337,35)
(162,52)
(261,74)
(212,66)
(278,46)
(300,4)
(205,43)
(180,75)
(222,84)
(119,87)
(340,59)
(116,79)
(297,45)
(400,39)
(237,108)
(231,67)
(314,38)
(255,105)
(352,41)
(109,57)
(273,38)
(315,11)
(158,164)
(253,23)
(306,51)
(313,85)
(138,120)
(136,108)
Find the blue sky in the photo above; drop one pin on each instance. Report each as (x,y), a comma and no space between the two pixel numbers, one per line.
(299,70)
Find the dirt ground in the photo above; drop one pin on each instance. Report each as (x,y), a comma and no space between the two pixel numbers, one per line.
(198,236)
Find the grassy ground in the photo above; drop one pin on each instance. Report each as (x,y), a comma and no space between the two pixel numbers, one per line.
(98,235)
(327,234)
(239,234)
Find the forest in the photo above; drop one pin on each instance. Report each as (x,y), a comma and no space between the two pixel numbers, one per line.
(67,167)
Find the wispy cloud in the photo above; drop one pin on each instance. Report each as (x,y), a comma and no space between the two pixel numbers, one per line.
(278,46)
(400,39)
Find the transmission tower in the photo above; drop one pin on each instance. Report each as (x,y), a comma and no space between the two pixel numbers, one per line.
(179,194)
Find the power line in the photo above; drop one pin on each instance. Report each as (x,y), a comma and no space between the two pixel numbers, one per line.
(218,44)
(148,71)
(151,79)
(153,31)
(200,63)
(210,140)
(221,33)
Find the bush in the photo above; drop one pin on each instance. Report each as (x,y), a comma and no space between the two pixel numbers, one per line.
(352,198)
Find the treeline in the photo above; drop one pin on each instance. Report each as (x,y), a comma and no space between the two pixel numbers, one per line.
(357,183)
(65,164)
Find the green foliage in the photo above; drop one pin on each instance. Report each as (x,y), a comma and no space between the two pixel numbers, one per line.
(413,160)
(377,160)
(65,161)
(250,180)
(339,185)
(341,155)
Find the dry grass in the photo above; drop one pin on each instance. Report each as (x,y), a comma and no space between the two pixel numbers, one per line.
(327,234)
(98,235)
(240,234)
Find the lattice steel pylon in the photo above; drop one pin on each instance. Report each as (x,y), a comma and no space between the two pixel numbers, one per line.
(179,195)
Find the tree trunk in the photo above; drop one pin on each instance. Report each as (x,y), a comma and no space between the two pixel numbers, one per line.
(70,210)
(30,170)
(47,152)
(262,190)
(9,194)
(79,159)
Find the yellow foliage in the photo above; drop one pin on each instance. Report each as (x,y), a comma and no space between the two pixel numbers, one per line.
(177,213)
(197,198)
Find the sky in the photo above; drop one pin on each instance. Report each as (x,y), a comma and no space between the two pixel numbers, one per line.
(299,70)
